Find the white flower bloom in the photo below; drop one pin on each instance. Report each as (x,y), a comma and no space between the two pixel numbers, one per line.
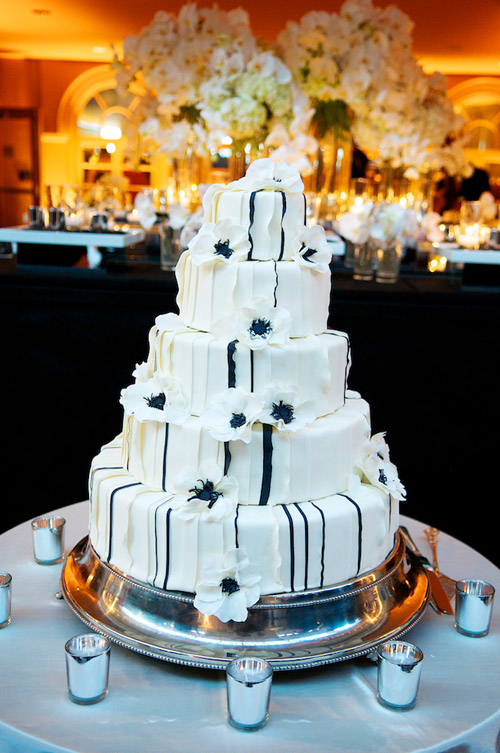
(157,399)
(170,323)
(378,469)
(206,493)
(145,209)
(430,226)
(232,414)
(259,325)
(142,372)
(310,249)
(219,242)
(265,173)
(228,585)
(284,409)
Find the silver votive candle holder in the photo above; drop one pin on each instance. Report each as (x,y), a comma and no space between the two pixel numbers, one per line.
(398,674)
(5,598)
(87,668)
(48,540)
(473,607)
(248,683)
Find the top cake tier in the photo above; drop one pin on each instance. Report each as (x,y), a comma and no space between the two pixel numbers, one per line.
(268,203)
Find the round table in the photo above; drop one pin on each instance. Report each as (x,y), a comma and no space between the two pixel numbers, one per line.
(160,707)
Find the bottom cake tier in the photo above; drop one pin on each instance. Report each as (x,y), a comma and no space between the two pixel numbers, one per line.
(293,547)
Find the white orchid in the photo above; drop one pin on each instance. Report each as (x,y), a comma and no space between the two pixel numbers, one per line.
(157,399)
(284,409)
(260,326)
(392,224)
(311,250)
(228,585)
(378,469)
(205,492)
(223,241)
(231,415)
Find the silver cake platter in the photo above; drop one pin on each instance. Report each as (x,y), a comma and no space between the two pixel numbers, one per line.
(292,631)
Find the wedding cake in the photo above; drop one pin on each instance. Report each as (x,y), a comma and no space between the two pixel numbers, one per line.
(245,466)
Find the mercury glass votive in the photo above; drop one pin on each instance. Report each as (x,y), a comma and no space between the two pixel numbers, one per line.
(398,674)
(473,607)
(48,540)
(5,598)
(249,683)
(87,668)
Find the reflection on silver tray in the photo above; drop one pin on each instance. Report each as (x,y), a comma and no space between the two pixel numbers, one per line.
(292,631)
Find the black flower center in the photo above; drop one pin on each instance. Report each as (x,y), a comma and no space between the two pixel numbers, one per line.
(222,248)
(381,476)
(206,492)
(308,253)
(260,328)
(229,586)
(237,420)
(156,401)
(282,411)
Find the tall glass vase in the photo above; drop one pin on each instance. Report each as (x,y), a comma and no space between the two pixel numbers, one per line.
(332,175)
(389,263)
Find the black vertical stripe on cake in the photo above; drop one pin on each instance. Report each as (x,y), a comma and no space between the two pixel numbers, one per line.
(292,548)
(236,526)
(157,563)
(251,219)
(275,292)
(111,503)
(101,468)
(305,209)
(267,463)
(360,527)
(164,466)
(323,532)
(348,355)
(227,458)
(283,212)
(167,552)
(251,370)
(231,364)
(306,543)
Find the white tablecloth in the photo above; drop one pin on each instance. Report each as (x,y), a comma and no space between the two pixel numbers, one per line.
(158,707)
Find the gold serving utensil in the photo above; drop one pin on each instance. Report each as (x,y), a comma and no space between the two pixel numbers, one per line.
(448,583)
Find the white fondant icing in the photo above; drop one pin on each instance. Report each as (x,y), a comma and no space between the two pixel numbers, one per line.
(211,293)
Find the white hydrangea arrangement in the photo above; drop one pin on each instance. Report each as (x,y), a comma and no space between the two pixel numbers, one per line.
(359,72)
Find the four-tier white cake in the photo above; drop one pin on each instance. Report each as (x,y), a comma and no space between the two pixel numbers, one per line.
(245,466)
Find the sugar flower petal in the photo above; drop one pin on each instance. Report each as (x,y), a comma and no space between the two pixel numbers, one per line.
(228,585)
(157,399)
(223,241)
(311,249)
(231,414)
(378,469)
(284,409)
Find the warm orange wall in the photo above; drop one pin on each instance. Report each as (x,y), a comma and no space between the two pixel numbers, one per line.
(38,84)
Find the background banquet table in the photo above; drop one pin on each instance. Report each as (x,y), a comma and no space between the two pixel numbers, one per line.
(424,355)
(158,706)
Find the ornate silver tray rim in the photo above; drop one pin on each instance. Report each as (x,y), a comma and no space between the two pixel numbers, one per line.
(292,631)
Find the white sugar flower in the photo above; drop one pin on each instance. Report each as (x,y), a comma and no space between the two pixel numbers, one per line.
(260,326)
(284,409)
(157,399)
(223,241)
(170,323)
(265,173)
(228,585)
(206,493)
(231,415)
(142,372)
(379,470)
(310,249)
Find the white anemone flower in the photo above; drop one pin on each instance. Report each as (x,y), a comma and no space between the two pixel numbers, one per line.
(223,241)
(284,409)
(379,470)
(310,249)
(157,399)
(170,323)
(142,372)
(228,585)
(231,415)
(206,493)
(260,325)
(265,173)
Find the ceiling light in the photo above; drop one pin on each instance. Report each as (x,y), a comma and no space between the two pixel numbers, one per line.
(99,50)
(41,11)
